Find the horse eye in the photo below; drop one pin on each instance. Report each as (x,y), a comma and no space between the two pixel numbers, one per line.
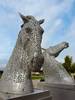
(28,17)
(28,30)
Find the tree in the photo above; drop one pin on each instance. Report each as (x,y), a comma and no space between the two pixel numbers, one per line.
(68,63)
(73,68)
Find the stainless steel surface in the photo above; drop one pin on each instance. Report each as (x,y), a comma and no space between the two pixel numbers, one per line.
(17,74)
(54,72)
(36,95)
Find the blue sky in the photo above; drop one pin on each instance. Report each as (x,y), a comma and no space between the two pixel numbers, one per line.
(59,23)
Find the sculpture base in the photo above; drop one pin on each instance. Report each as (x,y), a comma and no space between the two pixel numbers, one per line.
(36,95)
(16,88)
(59,91)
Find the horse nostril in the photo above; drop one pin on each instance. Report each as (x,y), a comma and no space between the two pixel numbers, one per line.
(67,44)
(42,31)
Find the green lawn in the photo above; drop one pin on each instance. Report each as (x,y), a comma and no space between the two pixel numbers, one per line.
(37,77)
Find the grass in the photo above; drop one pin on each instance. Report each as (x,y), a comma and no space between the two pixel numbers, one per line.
(37,76)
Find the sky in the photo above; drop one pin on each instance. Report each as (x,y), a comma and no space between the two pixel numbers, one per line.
(59,24)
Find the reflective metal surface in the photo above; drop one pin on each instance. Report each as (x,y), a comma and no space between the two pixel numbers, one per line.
(26,55)
(54,72)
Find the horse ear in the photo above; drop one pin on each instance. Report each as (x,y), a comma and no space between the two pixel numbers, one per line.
(25,20)
(41,21)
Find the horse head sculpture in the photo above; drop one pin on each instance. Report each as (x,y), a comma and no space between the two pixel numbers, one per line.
(54,72)
(55,50)
(25,57)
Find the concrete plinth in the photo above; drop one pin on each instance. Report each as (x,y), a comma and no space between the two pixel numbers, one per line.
(36,95)
(59,91)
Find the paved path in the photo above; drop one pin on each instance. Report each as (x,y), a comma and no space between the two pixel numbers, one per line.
(35,82)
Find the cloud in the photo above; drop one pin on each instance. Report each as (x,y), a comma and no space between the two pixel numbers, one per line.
(69,37)
(71,30)
(58,23)
(5,46)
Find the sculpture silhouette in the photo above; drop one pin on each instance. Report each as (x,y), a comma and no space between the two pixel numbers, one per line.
(54,72)
(25,57)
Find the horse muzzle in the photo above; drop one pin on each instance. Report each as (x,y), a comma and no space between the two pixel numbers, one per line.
(37,62)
